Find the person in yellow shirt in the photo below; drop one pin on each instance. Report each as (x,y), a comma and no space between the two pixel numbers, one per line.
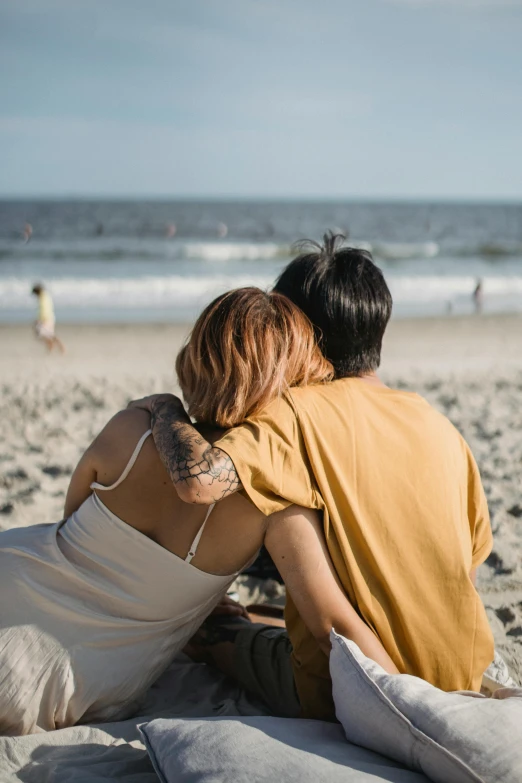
(46,321)
(404,513)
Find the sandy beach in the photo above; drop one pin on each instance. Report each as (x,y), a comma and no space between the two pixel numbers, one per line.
(469,368)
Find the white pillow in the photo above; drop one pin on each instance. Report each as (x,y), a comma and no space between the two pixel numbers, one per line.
(263,750)
(451,737)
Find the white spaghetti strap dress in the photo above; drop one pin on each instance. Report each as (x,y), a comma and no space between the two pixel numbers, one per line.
(91,613)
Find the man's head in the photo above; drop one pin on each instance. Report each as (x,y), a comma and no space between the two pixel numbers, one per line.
(37,289)
(345,297)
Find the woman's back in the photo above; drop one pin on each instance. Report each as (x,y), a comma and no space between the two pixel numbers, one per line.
(147,501)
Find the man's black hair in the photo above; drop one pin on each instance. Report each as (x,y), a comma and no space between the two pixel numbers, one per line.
(37,289)
(346,298)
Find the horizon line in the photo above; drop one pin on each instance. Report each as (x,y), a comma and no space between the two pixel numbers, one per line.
(260,198)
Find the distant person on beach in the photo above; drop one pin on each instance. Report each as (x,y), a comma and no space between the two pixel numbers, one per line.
(478,296)
(28,232)
(405,517)
(95,606)
(45,322)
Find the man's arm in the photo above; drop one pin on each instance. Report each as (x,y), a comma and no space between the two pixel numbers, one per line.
(200,473)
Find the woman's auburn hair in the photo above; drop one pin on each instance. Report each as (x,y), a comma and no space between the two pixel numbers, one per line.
(246,349)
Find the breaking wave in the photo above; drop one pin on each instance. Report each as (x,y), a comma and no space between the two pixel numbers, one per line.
(181,296)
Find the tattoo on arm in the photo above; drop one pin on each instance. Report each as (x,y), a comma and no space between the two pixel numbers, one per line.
(189,458)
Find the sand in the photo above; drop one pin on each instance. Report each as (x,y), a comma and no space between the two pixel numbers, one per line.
(469,368)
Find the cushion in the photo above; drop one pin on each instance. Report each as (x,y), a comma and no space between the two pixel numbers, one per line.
(257,749)
(461,737)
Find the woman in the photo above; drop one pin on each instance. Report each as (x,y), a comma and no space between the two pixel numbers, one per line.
(95,606)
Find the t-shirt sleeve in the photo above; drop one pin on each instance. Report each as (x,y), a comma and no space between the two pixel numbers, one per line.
(478,514)
(270,458)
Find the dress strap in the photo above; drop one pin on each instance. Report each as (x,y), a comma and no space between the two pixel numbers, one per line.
(129,467)
(195,543)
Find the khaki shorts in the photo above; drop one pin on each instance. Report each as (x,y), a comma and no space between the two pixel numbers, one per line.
(264,668)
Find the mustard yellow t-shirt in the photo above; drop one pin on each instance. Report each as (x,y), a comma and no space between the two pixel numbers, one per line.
(405,520)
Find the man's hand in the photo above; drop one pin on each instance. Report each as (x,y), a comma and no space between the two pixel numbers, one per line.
(200,473)
(214,637)
(227,606)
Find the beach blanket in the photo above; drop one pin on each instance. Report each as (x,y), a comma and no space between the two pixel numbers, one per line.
(115,751)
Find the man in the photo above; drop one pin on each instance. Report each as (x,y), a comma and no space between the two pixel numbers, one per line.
(45,323)
(405,516)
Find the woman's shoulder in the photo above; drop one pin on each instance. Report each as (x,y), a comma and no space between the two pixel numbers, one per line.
(121,434)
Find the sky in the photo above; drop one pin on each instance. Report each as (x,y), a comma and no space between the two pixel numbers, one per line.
(369,99)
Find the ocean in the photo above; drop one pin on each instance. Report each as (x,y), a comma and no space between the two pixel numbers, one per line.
(128,261)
